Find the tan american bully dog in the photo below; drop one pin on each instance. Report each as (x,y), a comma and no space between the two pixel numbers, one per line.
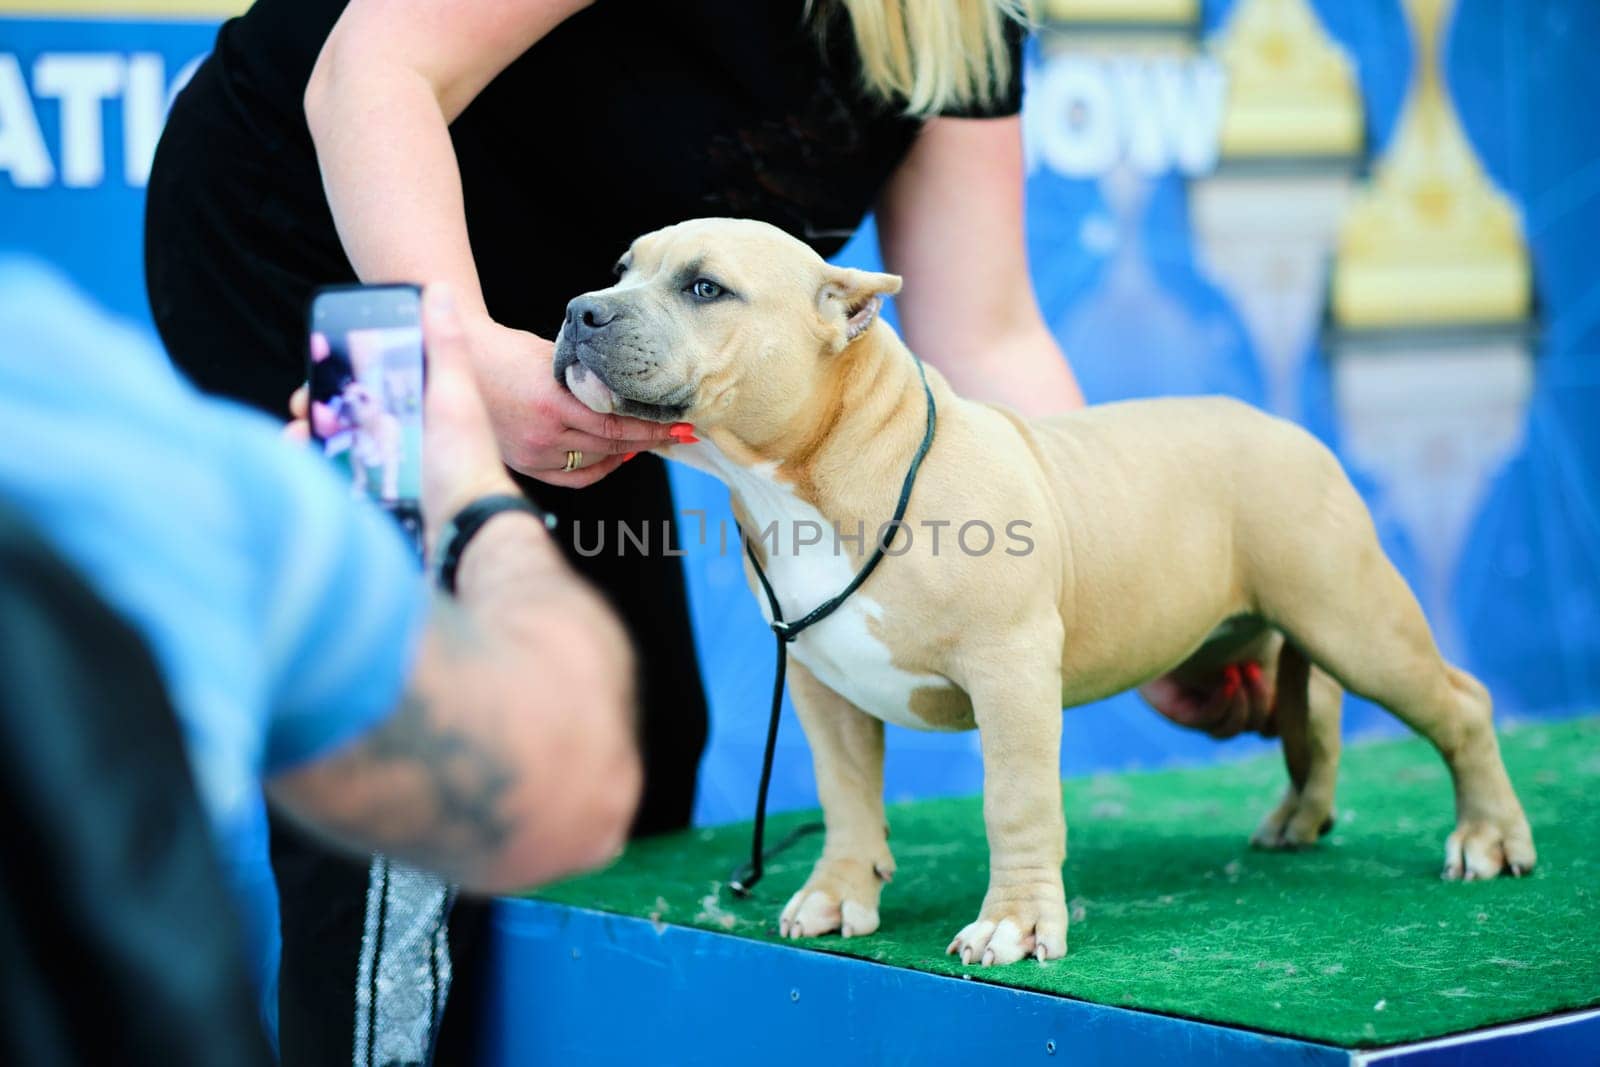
(1125,541)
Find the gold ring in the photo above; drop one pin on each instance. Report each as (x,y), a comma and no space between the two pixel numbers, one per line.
(574,460)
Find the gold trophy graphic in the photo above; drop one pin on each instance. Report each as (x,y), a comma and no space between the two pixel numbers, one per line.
(1264,221)
(1431,330)
(1122,14)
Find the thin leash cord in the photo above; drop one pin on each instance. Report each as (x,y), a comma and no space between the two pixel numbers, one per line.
(745,877)
(747,874)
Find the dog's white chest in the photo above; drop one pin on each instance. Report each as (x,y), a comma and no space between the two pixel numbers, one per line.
(848,658)
(844,650)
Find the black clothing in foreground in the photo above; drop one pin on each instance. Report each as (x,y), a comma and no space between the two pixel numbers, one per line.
(118,932)
(630,116)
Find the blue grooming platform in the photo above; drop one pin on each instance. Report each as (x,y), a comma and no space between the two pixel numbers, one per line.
(568,985)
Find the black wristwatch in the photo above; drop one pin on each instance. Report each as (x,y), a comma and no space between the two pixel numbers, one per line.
(460,530)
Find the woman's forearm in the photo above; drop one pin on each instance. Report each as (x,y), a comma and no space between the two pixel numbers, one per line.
(390,174)
(1023,369)
(950,220)
(390,79)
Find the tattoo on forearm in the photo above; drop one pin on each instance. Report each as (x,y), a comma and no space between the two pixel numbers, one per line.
(465,782)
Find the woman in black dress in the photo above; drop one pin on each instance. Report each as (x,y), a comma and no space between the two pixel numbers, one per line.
(514,149)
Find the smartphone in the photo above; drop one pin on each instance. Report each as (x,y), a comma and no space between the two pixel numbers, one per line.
(365,372)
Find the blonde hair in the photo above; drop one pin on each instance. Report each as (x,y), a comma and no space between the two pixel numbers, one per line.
(930,56)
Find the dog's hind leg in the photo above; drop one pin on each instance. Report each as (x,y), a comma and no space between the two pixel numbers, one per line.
(1347,607)
(1307,705)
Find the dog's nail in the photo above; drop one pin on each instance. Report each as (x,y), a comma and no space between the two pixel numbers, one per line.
(966,957)
(951,950)
(883,876)
(988,958)
(846,931)
(1516,870)
(1038,953)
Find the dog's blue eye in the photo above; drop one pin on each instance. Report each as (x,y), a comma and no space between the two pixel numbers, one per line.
(705,289)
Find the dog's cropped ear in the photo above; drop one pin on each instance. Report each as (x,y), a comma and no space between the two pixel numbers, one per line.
(850,299)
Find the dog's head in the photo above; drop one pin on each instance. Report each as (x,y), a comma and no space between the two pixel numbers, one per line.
(361,402)
(715,322)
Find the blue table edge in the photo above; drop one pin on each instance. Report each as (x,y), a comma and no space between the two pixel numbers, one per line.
(524,922)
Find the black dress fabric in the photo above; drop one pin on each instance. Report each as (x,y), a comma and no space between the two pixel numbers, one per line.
(117,928)
(630,116)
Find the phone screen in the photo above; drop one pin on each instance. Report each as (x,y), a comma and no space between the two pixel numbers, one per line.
(365,371)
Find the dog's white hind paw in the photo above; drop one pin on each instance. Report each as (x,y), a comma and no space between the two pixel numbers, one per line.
(1482,848)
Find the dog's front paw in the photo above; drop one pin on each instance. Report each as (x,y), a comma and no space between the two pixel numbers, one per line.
(1029,921)
(1297,822)
(841,894)
(1483,847)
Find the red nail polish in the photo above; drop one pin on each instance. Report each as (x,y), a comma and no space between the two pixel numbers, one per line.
(682,432)
(1252,672)
(629,456)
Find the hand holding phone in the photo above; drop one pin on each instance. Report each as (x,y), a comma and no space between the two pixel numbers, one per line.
(365,373)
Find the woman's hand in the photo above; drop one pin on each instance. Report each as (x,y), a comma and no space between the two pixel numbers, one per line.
(538,421)
(1224,701)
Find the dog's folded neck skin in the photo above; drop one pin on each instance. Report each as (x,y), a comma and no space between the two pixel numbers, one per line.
(846,450)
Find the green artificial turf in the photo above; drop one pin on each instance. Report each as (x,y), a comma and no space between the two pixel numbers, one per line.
(1356,942)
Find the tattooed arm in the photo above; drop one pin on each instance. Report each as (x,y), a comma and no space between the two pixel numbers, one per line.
(511,758)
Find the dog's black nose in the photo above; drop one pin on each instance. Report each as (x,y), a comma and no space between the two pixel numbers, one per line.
(587,315)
